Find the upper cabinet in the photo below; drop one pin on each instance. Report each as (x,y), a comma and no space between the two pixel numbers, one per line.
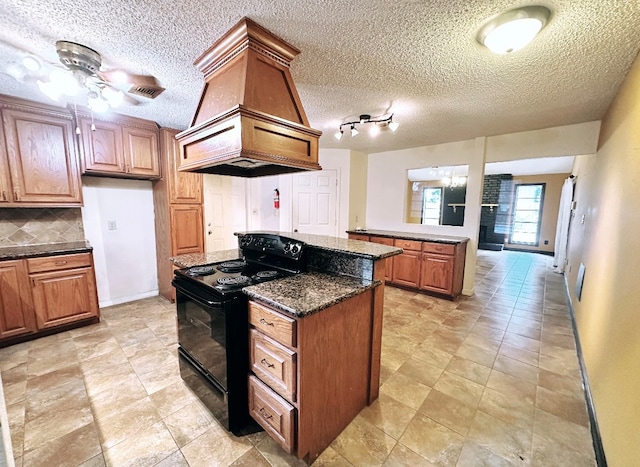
(182,187)
(39,164)
(119,147)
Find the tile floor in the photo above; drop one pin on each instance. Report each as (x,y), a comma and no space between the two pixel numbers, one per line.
(488,380)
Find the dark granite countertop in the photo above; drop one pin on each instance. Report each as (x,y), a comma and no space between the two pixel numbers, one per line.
(307,293)
(422,237)
(373,251)
(198,259)
(47,249)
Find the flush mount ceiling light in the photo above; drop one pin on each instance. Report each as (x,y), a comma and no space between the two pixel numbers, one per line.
(513,29)
(364,119)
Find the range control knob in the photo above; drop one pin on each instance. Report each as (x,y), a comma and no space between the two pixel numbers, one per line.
(287,247)
(295,249)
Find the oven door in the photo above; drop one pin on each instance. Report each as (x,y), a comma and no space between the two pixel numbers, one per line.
(202,329)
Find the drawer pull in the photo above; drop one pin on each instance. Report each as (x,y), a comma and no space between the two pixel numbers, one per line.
(4,195)
(60,263)
(264,414)
(266,363)
(265,322)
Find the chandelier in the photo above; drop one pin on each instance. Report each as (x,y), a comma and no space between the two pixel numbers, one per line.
(378,122)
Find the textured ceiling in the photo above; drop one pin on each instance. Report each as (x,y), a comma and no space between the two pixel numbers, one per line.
(418,59)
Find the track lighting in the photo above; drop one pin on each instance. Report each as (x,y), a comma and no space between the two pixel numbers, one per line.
(364,119)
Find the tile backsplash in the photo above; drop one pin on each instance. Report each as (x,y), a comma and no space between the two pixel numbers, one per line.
(34,226)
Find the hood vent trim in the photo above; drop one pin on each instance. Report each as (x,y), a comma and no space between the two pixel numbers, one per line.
(249,121)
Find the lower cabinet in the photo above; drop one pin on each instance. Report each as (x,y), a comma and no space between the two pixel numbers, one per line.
(310,376)
(428,266)
(52,291)
(16,313)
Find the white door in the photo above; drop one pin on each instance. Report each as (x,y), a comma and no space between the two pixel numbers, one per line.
(225,211)
(315,201)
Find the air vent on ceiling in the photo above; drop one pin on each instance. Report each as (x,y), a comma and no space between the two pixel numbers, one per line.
(150,92)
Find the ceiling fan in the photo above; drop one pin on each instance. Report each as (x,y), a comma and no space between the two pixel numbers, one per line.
(81,72)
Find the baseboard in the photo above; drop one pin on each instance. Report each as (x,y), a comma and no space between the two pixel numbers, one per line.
(131,298)
(595,431)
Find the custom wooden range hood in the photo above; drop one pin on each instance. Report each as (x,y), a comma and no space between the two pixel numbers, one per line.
(250,121)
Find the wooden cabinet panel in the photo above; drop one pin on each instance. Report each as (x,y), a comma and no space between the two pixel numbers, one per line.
(187,230)
(388,273)
(437,273)
(364,238)
(5,182)
(412,245)
(272,412)
(141,152)
(16,313)
(273,363)
(439,248)
(103,146)
(62,297)
(182,187)
(406,268)
(42,159)
(52,263)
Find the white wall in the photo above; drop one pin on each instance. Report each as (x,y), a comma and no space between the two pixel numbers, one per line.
(387,176)
(125,258)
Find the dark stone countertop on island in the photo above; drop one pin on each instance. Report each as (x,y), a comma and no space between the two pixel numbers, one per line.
(307,293)
(372,251)
(198,259)
(46,249)
(421,237)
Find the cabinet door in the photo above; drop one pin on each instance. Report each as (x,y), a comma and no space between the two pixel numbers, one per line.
(5,182)
(364,238)
(102,144)
(16,314)
(406,268)
(183,187)
(141,152)
(187,231)
(62,297)
(437,273)
(42,159)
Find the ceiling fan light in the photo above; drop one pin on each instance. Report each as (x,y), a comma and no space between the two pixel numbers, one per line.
(49,89)
(114,97)
(393,126)
(338,135)
(97,103)
(513,29)
(31,63)
(65,82)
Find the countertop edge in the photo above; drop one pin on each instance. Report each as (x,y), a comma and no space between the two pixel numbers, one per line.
(424,237)
(47,249)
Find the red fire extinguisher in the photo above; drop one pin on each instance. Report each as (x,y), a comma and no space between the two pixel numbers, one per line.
(276,199)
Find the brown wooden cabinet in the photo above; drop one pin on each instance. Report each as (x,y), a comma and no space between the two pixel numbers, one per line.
(38,295)
(406,266)
(179,223)
(64,289)
(423,265)
(311,375)
(16,312)
(123,147)
(39,164)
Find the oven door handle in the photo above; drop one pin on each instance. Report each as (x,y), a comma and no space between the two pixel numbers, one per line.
(195,298)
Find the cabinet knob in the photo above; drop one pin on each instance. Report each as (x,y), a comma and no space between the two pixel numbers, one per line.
(60,263)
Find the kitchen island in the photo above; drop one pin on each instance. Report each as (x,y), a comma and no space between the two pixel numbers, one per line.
(315,340)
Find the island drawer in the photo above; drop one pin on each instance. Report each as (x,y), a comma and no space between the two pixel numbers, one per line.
(408,244)
(441,248)
(274,364)
(273,413)
(53,263)
(274,324)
